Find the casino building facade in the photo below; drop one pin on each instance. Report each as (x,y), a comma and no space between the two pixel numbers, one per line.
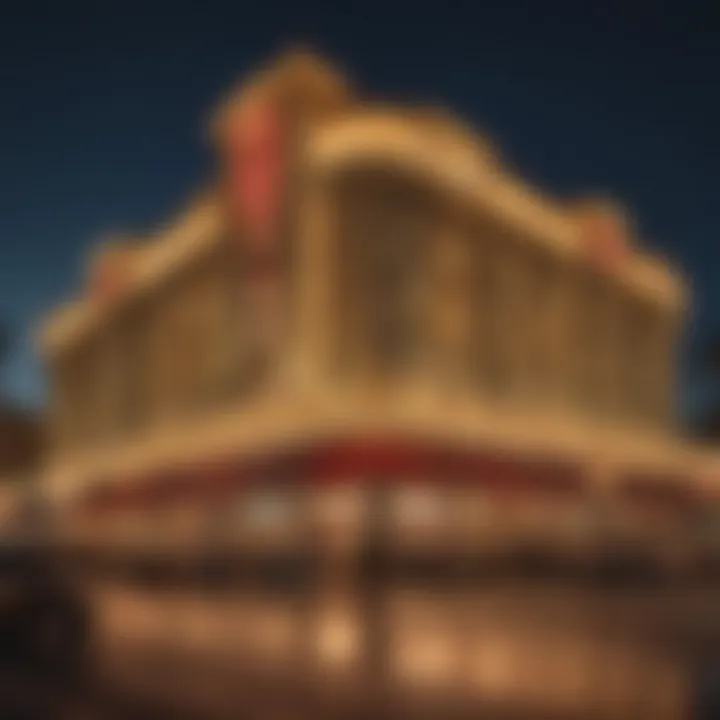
(368,339)
(364,302)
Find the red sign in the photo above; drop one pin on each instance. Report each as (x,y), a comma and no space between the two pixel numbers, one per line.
(256,172)
(364,459)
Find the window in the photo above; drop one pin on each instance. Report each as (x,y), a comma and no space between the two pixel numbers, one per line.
(497,313)
(613,355)
(655,371)
(258,288)
(270,514)
(418,510)
(543,333)
(391,276)
(206,334)
(134,343)
(488,320)
(383,228)
(268,510)
(62,402)
(451,303)
(161,347)
(190,341)
(77,396)
(665,358)
(588,344)
(109,389)
(640,378)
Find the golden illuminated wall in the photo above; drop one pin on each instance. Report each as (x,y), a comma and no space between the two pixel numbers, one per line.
(421,291)
(171,351)
(409,256)
(424,286)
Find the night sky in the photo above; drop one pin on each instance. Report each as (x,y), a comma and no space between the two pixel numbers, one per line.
(102,110)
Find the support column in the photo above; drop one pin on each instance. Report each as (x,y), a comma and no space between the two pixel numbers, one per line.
(513,311)
(309,354)
(449,308)
(559,341)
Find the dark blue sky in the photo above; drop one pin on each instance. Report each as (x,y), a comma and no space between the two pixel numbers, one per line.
(102,107)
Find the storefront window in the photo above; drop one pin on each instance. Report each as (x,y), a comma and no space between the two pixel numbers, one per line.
(420,510)
(271,514)
(268,510)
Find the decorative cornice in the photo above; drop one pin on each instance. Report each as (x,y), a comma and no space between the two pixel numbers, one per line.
(466,171)
(159,257)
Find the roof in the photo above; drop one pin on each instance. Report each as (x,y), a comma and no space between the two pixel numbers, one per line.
(432,141)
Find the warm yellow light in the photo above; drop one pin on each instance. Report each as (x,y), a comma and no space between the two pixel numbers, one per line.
(338,640)
(426,660)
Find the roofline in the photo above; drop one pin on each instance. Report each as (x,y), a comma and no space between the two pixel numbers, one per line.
(468,173)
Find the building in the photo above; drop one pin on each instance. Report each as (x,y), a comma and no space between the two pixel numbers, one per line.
(368,331)
(366,291)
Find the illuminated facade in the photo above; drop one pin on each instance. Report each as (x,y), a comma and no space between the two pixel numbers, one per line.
(369,339)
(367,293)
